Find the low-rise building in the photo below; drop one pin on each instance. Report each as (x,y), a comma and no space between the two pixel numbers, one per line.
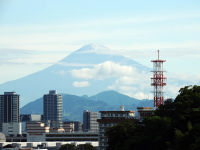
(57,130)
(110,119)
(2,138)
(68,126)
(36,131)
(144,112)
(74,136)
(24,118)
(11,128)
(77,125)
(30,117)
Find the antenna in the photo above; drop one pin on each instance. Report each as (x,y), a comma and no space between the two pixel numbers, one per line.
(158,81)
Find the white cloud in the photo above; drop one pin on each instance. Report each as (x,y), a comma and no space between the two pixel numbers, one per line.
(104,70)
(62,72)
(81,84)
(128,80)
(141,95)
(179,80)
(129,90)
(171,90)
(129,31)
(137,85)
(187,78)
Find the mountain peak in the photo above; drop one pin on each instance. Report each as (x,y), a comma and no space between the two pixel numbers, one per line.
(93,48)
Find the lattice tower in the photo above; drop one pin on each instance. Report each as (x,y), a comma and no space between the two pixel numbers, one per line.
(158,81)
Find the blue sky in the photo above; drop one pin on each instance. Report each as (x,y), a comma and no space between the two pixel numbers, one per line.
(37,33)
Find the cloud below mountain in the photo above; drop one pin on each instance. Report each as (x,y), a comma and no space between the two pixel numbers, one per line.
(128,79)
(81,84)
(104,70)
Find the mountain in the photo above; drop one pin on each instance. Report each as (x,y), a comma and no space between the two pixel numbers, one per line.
(73,106)
(89,70)
(114,98)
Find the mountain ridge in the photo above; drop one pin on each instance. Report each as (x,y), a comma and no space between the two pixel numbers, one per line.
(112,97)
(73,106)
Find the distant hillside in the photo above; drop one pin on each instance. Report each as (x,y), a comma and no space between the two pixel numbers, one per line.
(145,103)
(114,98)
(73,106)
(35,107)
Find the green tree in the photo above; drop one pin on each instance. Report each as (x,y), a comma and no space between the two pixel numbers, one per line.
(118,135)
(68,147)
(85,147)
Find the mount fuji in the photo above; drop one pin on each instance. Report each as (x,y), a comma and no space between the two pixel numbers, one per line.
(87,71)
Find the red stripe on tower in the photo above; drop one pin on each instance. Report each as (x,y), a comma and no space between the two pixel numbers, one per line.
(158,81)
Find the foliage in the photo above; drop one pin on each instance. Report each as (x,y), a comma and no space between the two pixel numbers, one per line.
(85,147)
(68,147)
(175,125)
(118,135)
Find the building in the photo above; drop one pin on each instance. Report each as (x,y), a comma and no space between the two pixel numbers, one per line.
(35,127)
(36,131)
(9,117)
(9,105)
(24,118)
(110,119)
(52,109)
(18,138)
(77,125)
(144,112)
(30,117)
(90,121)
(68,126)
(2,138)
(74,136)
(39,132)
(12,128)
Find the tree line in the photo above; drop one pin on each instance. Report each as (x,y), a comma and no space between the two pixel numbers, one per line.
(173,126)
(78,147)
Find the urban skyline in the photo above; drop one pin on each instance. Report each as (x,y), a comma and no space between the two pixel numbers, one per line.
(98,55)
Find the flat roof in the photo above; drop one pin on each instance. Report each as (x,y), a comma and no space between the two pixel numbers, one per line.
(144,107)
(116,111)
(114,120)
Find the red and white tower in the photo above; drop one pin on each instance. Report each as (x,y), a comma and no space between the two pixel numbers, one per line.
(158,81)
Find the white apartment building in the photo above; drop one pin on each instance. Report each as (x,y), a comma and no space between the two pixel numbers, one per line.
(110,119)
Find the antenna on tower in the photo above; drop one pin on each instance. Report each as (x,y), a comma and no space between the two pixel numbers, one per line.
(158,81)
